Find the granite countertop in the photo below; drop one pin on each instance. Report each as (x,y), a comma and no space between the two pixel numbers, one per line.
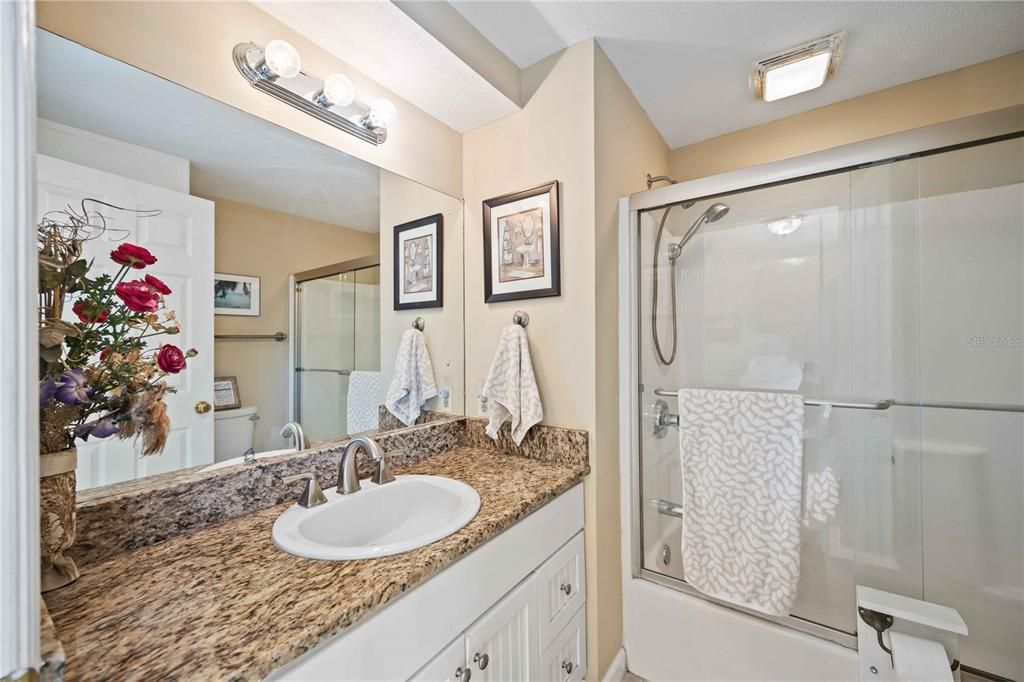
(225,603)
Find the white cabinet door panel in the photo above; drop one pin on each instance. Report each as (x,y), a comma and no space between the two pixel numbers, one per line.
(566,659)
(502,646)
(561,588)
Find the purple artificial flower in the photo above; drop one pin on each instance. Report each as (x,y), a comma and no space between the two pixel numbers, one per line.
(47,390)
(101,428)
(73,389)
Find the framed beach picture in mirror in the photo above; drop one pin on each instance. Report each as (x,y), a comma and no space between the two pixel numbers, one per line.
(521,245)
(419,263)
(236,295)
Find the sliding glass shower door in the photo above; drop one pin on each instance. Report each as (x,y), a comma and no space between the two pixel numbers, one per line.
(337,328)
(903,282)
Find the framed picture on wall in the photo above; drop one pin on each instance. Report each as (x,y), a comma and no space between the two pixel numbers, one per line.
(521,245)
(236,295)
(419,263)
(225,394)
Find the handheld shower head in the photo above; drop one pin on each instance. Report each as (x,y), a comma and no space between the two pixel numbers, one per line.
(713,213)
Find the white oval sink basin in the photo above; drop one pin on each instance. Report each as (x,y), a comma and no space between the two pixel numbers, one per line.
(409,512)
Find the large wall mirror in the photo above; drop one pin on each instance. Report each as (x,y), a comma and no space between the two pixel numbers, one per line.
(278,252)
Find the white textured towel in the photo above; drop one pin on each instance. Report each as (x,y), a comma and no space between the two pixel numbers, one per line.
(413,383)
(742,456)
(511,388)
(361,402)
(821,497)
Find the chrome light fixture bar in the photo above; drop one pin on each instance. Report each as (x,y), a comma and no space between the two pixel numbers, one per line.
(276,71)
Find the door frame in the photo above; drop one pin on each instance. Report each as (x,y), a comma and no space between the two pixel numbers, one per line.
(19,357)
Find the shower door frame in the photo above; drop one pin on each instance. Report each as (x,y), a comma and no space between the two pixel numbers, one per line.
(938,138)
(295,326)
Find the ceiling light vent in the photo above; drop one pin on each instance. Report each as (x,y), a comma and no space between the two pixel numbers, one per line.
(798,69)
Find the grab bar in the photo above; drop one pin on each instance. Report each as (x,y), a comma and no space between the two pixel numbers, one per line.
(342,372)
(276,336)
(669,508)
(886,404)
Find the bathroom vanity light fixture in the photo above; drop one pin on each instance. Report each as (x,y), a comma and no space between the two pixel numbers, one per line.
(277,71)
(798,69)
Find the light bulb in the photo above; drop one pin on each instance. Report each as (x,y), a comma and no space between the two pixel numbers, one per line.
(382,113)
(282,59)
(338,90)
(785,226)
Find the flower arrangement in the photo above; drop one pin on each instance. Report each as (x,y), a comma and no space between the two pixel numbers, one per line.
(102,375)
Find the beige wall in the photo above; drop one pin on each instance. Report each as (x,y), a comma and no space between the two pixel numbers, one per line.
(190,43)
(988,86)
(627,147)
(551,139)
(271,245)
(401,201)
(583,128)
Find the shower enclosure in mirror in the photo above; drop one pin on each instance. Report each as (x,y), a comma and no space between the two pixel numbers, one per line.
(891,297)
(337,349)
(209,188)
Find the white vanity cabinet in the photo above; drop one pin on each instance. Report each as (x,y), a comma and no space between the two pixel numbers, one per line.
(536,632)
(511,610)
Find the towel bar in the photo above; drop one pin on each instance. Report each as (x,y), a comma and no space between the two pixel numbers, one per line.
(277,336)
(880,405)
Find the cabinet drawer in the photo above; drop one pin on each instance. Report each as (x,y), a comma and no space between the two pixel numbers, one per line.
(565,660)
(562,584)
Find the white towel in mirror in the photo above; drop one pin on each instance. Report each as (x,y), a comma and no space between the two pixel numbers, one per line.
(413,382)
(361,403)
(511,388)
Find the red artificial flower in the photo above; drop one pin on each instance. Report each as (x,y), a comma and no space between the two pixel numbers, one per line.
(138,296)
(132,255)
(105,353)
(170,359)
(88,312)
(158,284)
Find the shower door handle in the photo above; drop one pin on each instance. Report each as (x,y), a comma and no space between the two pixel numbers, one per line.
(341,372)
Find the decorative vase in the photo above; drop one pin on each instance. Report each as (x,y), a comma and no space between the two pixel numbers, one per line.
(57,517)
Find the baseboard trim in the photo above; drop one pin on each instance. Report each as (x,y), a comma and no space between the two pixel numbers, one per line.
(617,670)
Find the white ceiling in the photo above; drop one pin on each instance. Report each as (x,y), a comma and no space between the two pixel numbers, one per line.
(233,155)
(385,44)
(688,63)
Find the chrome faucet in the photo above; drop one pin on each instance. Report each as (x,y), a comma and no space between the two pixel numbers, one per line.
(293,431)
(348,477)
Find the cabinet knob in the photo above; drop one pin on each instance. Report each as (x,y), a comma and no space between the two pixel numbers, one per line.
(482,660)
(463,674)
(202,407)
(567,667)
(567,588)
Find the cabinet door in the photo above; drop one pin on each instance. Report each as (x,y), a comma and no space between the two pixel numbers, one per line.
(502,645)
(447,666)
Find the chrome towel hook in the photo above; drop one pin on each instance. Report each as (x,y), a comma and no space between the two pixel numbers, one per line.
(418,323)
(521,318)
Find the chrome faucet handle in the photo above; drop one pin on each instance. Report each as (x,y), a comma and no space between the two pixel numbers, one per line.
(312,495)
(383,473)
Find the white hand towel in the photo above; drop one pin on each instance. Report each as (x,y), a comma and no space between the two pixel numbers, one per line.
(511,388)
(362,401)
(742,459)
(413,383)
